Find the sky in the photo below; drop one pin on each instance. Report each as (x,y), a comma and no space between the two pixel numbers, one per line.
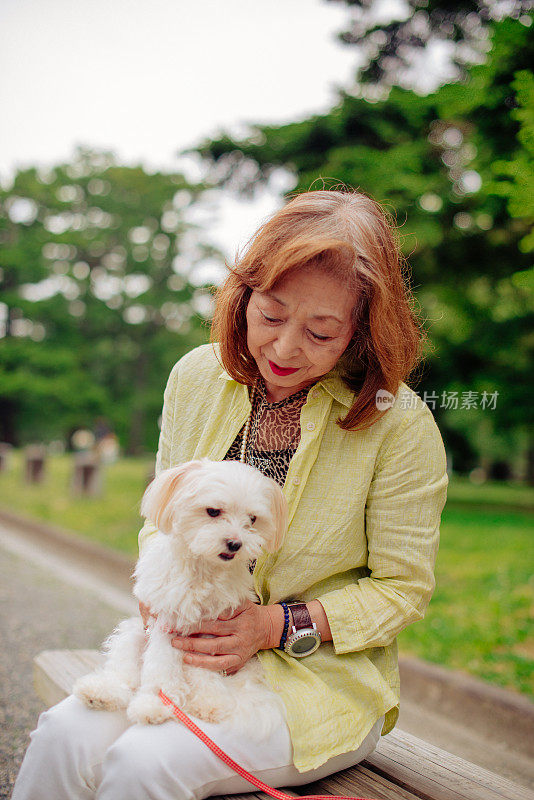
(148,79)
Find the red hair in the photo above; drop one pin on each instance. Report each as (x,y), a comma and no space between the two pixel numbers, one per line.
(350,236)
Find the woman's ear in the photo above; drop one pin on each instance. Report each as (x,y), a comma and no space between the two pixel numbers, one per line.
(156,504)
(279,514)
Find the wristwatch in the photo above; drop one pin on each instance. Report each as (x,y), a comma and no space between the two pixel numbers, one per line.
(304,638)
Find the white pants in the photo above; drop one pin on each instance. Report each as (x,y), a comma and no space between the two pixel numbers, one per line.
(78,753)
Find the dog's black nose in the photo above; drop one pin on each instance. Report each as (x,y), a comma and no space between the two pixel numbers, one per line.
(232,545)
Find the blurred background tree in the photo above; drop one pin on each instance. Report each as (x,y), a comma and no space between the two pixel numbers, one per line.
(396,42)
(99,294)
(453,167)
(97,298)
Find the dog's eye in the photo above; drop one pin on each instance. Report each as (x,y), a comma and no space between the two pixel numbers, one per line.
(213,512)
(252,519)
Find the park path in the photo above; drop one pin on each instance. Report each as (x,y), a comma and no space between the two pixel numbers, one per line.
(51,600)
(45,604)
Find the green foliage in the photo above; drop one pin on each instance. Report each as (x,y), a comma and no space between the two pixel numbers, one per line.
(96,299)
(517,174)
(391,49)
(432,160)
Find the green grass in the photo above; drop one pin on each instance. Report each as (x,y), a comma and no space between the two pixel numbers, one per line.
(462,492)
(112,519)
(480,618)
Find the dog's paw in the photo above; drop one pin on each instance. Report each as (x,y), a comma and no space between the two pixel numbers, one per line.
(207,713)
(148,709)
(209,707)
(103,691)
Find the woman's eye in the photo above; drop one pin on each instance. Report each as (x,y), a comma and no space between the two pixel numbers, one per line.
(269,319)
(213,512)
(317,336)
(252,519)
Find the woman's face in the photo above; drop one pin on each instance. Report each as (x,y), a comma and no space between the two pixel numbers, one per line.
(298,330)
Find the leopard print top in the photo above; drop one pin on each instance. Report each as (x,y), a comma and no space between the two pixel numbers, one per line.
(274,434)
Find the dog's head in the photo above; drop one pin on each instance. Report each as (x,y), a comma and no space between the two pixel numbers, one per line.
(220,509)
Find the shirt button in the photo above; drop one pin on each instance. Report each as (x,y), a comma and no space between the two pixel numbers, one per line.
(296,480)
(310,426)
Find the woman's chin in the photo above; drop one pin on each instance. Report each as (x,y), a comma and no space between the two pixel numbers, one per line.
(281,388)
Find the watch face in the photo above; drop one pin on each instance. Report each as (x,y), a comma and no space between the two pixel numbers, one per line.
(304,645)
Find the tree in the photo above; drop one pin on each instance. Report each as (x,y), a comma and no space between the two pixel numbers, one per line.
(400,51)
(98,296)
(433,159)
(515,177)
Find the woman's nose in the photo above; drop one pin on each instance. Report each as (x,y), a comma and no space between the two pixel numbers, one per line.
(287,345)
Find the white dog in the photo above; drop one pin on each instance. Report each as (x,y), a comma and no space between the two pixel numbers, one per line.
(213,518)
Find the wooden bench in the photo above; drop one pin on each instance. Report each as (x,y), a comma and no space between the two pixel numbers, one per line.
(401,768)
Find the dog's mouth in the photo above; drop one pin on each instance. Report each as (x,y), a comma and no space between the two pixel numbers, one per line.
(226,556)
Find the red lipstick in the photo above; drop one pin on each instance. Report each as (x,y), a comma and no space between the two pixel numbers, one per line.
(281,370)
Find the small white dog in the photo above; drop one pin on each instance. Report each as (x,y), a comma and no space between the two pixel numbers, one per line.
(213,518)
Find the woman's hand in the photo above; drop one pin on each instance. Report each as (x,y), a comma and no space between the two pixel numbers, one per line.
(234,638)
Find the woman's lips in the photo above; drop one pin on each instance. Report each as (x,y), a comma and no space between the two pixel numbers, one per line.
(282,370)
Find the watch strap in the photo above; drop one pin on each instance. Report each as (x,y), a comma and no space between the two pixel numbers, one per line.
(301,616)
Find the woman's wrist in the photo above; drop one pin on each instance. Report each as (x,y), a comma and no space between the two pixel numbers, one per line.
(275,619)
(274,626)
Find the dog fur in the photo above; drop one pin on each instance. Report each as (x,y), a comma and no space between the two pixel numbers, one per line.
(213,518)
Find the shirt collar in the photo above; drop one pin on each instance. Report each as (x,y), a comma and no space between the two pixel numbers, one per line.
(331,383)
(335,386)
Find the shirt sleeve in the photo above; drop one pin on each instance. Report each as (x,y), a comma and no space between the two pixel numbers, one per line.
(403,512)
(163,456)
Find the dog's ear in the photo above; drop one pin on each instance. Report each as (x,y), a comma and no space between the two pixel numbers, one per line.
(279,514)
(155,504)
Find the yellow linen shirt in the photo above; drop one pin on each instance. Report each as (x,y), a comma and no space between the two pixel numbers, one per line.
(364,514)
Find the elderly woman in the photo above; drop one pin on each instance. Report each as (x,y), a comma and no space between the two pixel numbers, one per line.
(316,335)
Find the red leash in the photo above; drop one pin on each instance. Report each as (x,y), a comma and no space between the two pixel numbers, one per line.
(239,769)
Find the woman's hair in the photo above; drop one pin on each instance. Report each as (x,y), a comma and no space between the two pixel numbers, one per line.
(350,236)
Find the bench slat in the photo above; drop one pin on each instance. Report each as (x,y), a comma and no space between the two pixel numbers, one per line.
(431,772)
(55,672)
(402,767)
(360,780)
